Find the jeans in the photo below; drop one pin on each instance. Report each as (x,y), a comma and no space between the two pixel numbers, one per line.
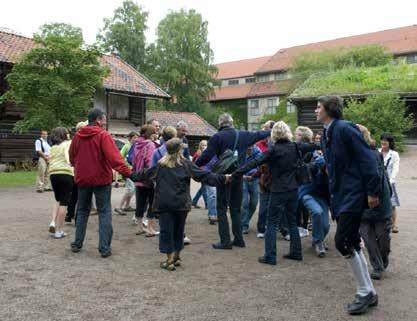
(250,201)
(319,211)
(229,195)
(211,201)
(263,211)
(202,191)
(171,235)
(103,202)
(282,205)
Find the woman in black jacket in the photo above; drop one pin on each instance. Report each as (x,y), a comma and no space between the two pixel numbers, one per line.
(172,198)
(282,159)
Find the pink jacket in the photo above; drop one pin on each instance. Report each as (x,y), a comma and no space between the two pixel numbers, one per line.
(142,157)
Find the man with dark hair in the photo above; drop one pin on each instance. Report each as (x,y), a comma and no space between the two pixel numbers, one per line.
(230,195)
(354,185)
(94,154)
(42,154)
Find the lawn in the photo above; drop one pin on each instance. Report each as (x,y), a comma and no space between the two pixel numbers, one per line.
(17,179)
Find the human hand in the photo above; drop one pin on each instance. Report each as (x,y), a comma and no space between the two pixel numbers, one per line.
(247,178)
(134,177)
(228,178)
(373,201)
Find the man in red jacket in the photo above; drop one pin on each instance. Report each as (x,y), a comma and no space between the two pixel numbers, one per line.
(94,154)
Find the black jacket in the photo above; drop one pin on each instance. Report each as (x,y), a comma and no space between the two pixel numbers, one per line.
(282,160)
(172,185)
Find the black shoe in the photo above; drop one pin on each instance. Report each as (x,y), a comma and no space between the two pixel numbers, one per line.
(106,254)
(361,304)
(245,231)
(239,243)
(264,260)
(196,206)
(68,219)
(376,275)
(212,221)
(221,246)
(385,261)
(292,257)
(75,248)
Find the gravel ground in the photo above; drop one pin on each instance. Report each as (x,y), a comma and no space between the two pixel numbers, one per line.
(40,279)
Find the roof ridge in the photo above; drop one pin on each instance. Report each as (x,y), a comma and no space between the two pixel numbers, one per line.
(16,35)
(240,60)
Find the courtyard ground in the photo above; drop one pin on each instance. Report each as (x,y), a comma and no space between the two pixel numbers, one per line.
(41,279)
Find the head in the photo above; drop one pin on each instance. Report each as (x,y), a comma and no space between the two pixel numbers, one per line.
(97,117)
(366,135)
(80,125)
(168,133)
(225,120)
(329,108)
(148,132)
(202,146)
(174,155)
(387,141)
(182,129)
(132,136)
(154,123)
(303,134)
(281,131)
(58,135)
(268,125)
(317,138)
(44,134)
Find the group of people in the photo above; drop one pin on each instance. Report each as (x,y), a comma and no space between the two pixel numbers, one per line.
(295,181)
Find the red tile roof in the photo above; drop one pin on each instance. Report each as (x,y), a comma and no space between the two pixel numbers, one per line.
(240,68)
(231,92)
(271,88)
(197,126)
(122,78)
(396,41)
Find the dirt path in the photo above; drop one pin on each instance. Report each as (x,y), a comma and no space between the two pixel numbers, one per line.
(40,279)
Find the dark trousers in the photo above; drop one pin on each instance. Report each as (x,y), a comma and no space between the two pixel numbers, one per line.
(230,195)
(144,199)
(263,211)
(377,238)
(73,202)
(103,201)
(171,235)
(282,205)
(347,237)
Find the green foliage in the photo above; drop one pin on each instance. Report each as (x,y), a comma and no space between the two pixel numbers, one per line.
(361,80)
(17,179)
(310,63)
(237,108)
(55,81)
(384,113)
(282,114)
(124,34)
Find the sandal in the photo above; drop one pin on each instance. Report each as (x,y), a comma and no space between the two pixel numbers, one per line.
(177,261)
(169,266)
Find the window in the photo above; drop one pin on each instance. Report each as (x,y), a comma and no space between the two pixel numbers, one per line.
(233,82)
(263,78)
(291,108)
(254,107)
(253,127)
(281,76)
(250,80)
(412,59)
(271,106)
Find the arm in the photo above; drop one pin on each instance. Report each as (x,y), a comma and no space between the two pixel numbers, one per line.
(38,148)
(395,166)
(307,147)
(66,151)
(155,159)
(254,163)
(257,136)
(113,156)
(206,177)
(145,174)
(72,151)
(211,151)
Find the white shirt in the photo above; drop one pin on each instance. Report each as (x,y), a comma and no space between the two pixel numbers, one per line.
(38,146)
(393,160)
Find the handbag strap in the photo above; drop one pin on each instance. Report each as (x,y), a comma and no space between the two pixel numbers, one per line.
(297,150)
(236,140)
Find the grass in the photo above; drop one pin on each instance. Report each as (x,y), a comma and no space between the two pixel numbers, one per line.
(17,179)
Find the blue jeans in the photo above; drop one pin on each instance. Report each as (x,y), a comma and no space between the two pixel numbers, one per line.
(319,215)
(200,192)
(211,201)
(263,211)
(282,205)
(103,202)
(249,202)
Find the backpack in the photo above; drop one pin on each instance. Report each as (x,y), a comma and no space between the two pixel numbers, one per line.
(35,154)
(228,161)
(130,154)
(303,173)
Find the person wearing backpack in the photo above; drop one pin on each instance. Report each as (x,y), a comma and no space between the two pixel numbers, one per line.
(42,149)
(229,145)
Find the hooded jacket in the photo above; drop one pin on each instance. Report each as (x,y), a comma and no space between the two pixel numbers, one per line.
(142,157)
(94,154)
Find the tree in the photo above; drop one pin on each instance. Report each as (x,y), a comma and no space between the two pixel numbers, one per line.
(282,114)
(382,113)
(124,34)
(181,60)
(55,82)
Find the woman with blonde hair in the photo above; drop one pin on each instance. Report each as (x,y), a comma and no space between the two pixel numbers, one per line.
(172,200)
(282,159)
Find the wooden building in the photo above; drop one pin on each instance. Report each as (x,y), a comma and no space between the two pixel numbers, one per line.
(124,95)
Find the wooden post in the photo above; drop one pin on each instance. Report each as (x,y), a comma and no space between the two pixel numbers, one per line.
(107,109)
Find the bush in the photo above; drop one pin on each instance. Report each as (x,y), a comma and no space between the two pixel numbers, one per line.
(381,113)
(282,114)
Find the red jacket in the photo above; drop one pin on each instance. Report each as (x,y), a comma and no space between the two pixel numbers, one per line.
(94,154)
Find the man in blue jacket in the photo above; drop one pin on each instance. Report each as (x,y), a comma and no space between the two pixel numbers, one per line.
(354,186)
(230,195)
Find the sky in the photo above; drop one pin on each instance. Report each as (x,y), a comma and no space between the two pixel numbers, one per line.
(237,29)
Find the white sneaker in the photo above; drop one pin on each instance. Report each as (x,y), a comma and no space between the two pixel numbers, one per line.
(260,235)
(52,227)
(145,222)
(135,220)
(303,232)
(187,240)
(287,237)
(59,235)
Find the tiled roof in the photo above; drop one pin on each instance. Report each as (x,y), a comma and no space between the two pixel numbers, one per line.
(197,126)
(396,41)
(123,77)
(270,88)
(231,92)
(240,68)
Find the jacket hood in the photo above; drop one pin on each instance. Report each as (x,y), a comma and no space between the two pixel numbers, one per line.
(89,131)
(141,142)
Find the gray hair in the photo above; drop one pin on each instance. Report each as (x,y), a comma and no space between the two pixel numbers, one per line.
(225,120)
(182,124)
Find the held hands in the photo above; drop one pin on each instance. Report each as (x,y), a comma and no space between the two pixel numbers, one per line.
(373,201)
(228,178)
(134,177)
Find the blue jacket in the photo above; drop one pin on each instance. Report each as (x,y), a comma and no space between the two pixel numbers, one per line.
(352,168)
(256,153)
(225,138)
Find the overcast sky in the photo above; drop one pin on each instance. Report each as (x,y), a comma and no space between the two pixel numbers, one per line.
(238,29)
